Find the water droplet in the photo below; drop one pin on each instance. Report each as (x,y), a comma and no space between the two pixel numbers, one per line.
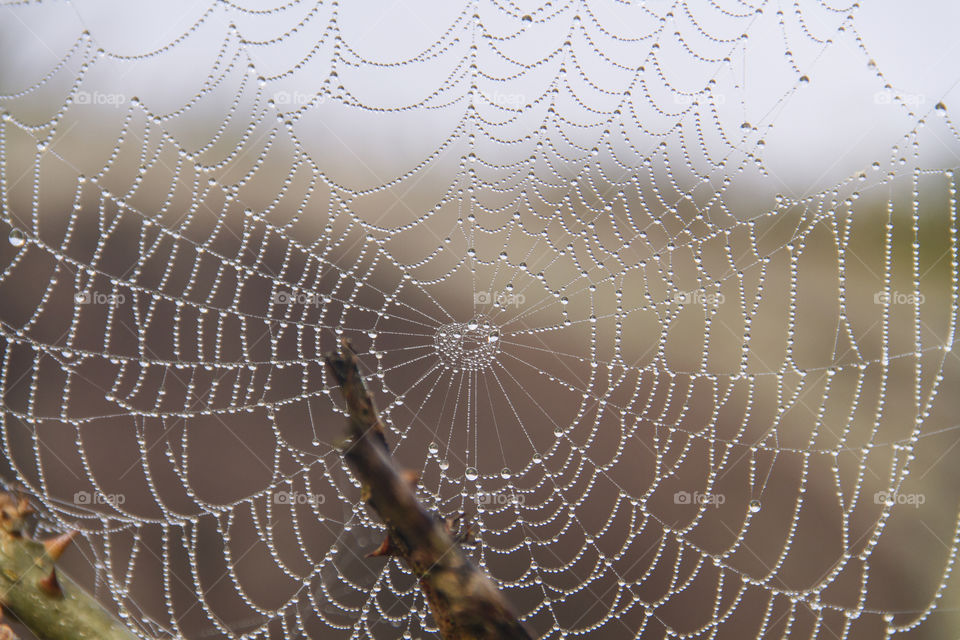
(472,325)
(527,19)
(754,506)
(433,448)
(941,109)
(471,474)
(804,79)
(494,336)
(17,238)
(746,125)
(505,473)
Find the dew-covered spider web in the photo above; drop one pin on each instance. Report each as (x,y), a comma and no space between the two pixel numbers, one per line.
(661,295)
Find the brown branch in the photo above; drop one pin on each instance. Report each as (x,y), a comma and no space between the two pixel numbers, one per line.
(465,603)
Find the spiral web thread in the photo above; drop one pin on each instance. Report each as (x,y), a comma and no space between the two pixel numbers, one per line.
(666,396)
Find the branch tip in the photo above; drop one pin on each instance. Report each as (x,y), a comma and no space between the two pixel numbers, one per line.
(464,602)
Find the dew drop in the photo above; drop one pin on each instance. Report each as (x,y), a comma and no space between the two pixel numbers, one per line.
(505,473)
(941,109)
(754,506)
(471,474)
(433,448)
(17,238)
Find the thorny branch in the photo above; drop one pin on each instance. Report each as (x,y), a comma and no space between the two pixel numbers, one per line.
(52,606)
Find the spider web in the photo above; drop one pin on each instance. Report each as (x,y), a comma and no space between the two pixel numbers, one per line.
(636,289)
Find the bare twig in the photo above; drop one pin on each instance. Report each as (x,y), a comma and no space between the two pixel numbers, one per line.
(465,603)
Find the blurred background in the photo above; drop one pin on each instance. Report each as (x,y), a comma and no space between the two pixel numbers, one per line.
(661,295)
